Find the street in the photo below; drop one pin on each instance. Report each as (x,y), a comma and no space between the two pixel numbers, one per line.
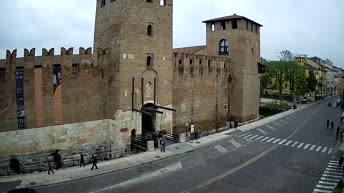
(287,155)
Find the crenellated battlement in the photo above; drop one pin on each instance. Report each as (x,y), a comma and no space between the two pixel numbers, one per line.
(195,64)
(48,58)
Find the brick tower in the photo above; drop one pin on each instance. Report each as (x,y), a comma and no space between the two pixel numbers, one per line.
(137,37)
(238,38)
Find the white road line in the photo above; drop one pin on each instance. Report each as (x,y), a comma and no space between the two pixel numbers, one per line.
(333,173)
(262,131)
(324,150)
(277,140)
(277,123)
(265,138)
(332,176)
(330,150)
(221,149)
(329,179)
(270,140)
(268,126)
(251,138)
(306,146)
(235,143)
(300,145)
(295,143)
(331,166)
(322,191)
(282,141)
(331,169)
(333,161)
(244,134)
(247,140)
(289,142)
(328,183)
(319,147)
(283,120)
(248,136)
(312,147)
(260,137)
(326,187)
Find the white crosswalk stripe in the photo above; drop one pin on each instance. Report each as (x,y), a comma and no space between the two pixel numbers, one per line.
(270,140)
(268,126)
(265,138)
(313,146)
(295,143)
(235,143)
(282,141)
(324,150)
(251,138)
(221,149)
(329,179)
(289,142)
(330,150)
(277,140)
(322,191)
(262,131)
(260,137)
(300,145)
(276,123)
(283,121)
(319,147)
(306,146)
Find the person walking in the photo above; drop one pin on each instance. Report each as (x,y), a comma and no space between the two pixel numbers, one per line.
(340,163)
(235,124)
(50,169)
(163,145)
(332,125)
(328,123)
(82,160)
(337,133)
(94,162)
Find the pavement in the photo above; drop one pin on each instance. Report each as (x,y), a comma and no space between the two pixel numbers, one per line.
(77,173)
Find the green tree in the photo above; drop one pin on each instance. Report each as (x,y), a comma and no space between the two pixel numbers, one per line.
(276,69)
(311,82)
(301,87)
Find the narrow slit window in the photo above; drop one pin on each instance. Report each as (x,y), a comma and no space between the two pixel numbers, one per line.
(150,61)
(163,2)
(102,4)
(150,30)
(234,24)
(223,25)
(246,25)
(149,1)
(212,26)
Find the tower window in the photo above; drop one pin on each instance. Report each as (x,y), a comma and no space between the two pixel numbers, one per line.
(149,61)
(223,47)
(163,2)
(149,1)
(102,3)
(251,27)
(246,25)
(234,24)
(256,29)
(150,31)
(212,26)
(223,25)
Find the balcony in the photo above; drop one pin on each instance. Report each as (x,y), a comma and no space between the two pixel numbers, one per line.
(224,53)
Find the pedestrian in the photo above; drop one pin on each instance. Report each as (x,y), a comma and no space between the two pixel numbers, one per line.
(332,125)
(340,163)
(235,124)
(50,169)
(341,119)
(328,123)
(163,145)
(94,162)
(82,161)
(337,133)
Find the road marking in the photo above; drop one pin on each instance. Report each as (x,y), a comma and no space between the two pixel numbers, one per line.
(277,140)
(236,144)
(328,183)
(251,138)
(242,135)
(144,178)
(289,142)
(277,124)
(333,161)
(331,166)
(283,121)
(324,150)
(300,145)
(331,169)
(282,141)
(295,143)
(265,138)
(312,147)
(248,136)
(326,187)
(330,151)
(332,176)
(221,149)
(287,118)
(247,140)
(322,191)
(268,126)
(319,147)
(262,131)
(329,179)
(259,138)
(306,146)
(270,140)
(333,173)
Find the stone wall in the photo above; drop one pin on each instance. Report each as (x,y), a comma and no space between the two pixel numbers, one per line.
(107,139)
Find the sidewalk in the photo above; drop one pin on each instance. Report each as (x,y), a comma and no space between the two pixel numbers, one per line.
(75,173)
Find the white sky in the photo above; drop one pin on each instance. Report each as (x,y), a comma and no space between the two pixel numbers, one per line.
(312,27)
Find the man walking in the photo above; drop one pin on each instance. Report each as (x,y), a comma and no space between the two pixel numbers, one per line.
(235,124)
(163,144)
(50,169)
(340,163)
(328,123)
(332,125)
(94,162)
(82,161)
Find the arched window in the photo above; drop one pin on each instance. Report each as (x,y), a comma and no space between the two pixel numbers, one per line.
(149,61)
(223,47)
(150,30)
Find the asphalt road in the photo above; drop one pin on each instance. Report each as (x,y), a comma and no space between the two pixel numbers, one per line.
(292,159)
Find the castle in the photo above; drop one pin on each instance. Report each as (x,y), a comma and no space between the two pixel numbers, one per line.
(133,82)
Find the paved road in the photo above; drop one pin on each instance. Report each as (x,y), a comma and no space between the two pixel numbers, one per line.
(294,154)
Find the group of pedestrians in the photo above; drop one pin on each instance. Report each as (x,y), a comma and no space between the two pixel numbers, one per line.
(82,163)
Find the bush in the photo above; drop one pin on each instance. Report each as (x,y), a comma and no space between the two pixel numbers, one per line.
(272,109)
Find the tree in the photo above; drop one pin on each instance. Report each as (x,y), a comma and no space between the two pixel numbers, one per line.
(311,82)
(276,69)
(301,85)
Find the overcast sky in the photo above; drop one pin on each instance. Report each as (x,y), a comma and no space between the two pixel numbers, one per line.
(312,27)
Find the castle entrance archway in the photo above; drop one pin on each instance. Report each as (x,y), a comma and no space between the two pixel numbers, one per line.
(148,122)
